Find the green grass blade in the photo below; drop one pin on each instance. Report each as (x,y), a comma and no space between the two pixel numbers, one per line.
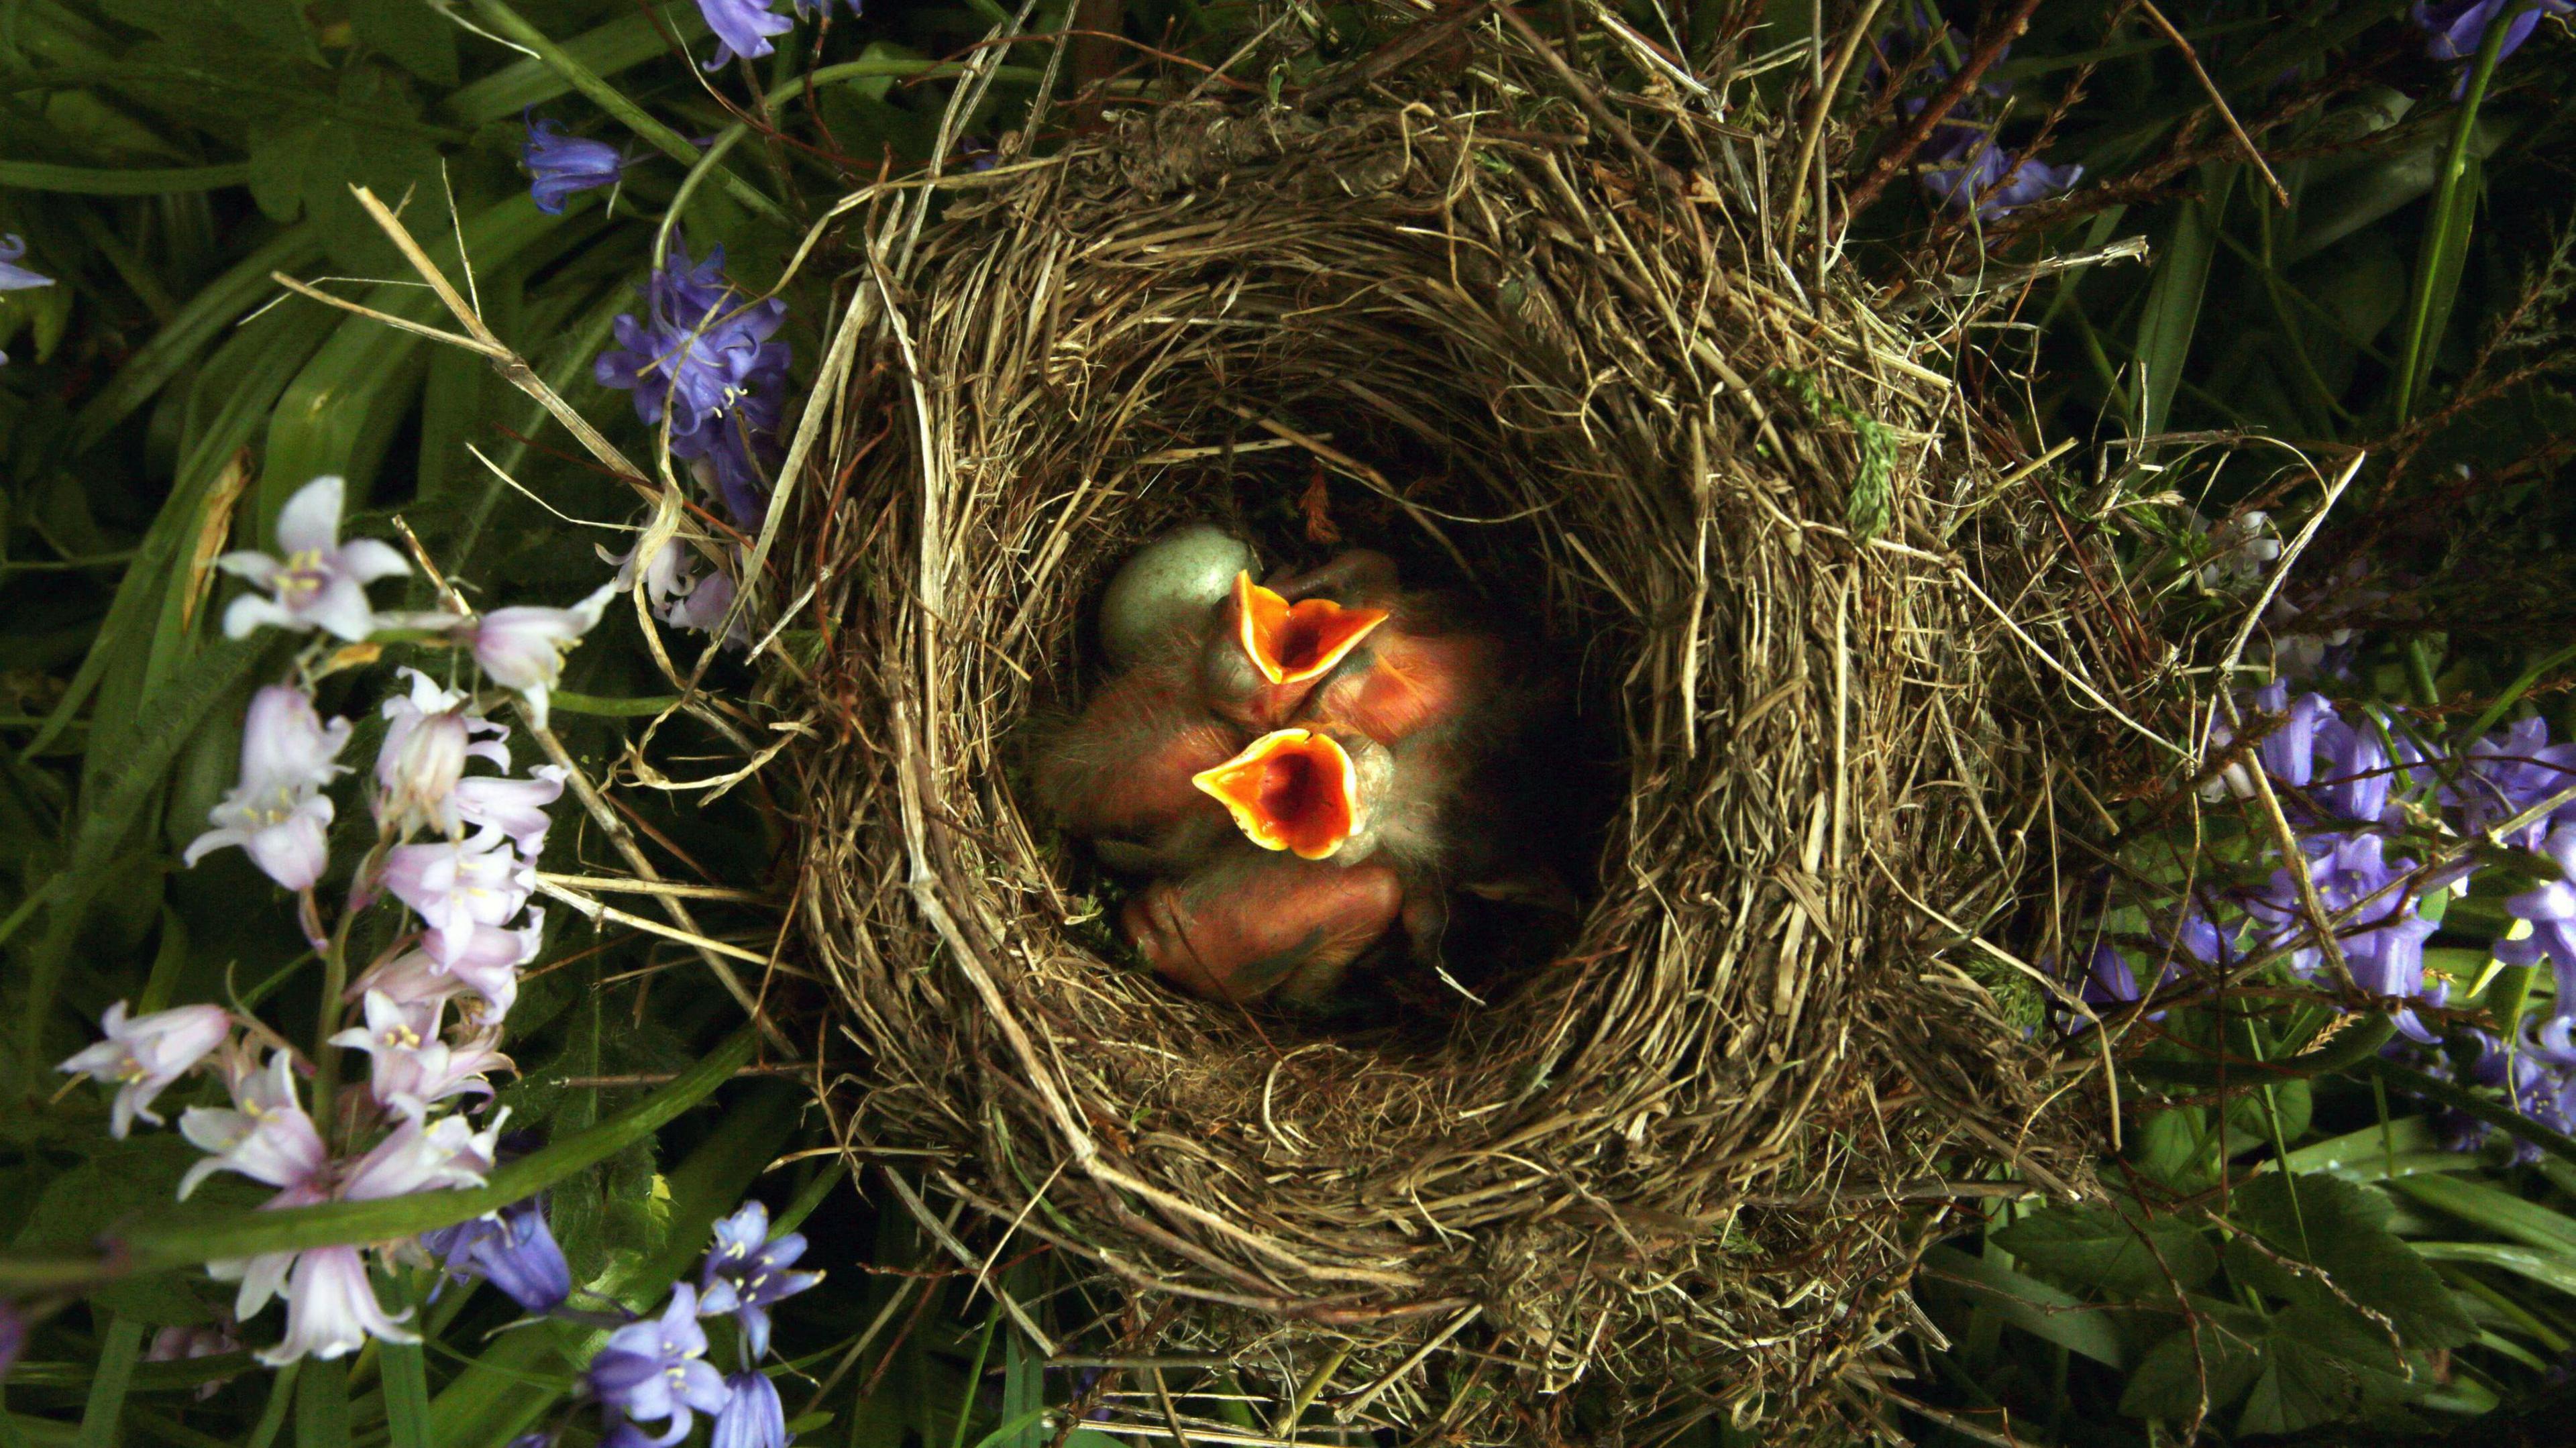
(406,1374)
(515,27)
(2494,1209)
(272,1418)
(109,181)
(111,812)
(184,1238)
(198,324)
(2550,1269)
(621,44)
(343,407)
(117,1351)
(2172,312)
(2029,1304)
(2446,239)
(322,1405)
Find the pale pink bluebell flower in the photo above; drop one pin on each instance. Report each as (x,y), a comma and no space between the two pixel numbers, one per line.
(410,1063)
(457,886)
(321,582)
(429,736)
(332,1309)
(264,1135)
(515,808)
(523,648)
(277,812)
(421,1155)
(487,964)
(145,1054)
(196,1340)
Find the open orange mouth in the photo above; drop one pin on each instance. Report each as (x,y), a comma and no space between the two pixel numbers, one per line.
(1293,642)
(1291,789)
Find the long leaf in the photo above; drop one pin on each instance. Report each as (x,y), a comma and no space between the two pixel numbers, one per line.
(2498,1211)
(2172,313)
(2446,239)
(198,323)
(121,1345)
(110,812)
(2030,1304)
(406,1374)
(2550,1269)
(184,1238)
(621,44)
(112,181)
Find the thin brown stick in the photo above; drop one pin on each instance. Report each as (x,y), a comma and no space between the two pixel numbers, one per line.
(1935,111)
(2191,58)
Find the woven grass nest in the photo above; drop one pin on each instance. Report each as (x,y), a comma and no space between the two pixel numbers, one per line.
(1684,1163)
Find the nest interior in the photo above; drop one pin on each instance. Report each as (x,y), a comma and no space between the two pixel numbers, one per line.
(1687,1155)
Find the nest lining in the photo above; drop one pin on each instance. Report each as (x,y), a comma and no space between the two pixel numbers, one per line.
(1674,1159)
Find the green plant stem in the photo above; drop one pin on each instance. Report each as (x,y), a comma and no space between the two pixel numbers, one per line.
(515,27)
(2441,253)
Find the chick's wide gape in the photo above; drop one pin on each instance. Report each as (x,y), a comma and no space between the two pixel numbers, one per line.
(1296,768)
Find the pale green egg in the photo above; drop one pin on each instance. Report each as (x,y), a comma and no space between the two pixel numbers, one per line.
(1167,591)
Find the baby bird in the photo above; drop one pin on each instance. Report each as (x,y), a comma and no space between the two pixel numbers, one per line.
(1252,924)
(1266,653)
(1321,795)
(1122,773)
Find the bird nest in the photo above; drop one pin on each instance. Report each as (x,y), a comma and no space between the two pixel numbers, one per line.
(1690,1158)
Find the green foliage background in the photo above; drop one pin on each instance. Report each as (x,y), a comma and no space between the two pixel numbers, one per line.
(164,158)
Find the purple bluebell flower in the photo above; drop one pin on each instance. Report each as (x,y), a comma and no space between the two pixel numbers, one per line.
(522,648)
(563,166)
(752,1417)
(2542,1076)
(513,1249)
(2289,751)
(2352,777)
(658,1369)
(15,278)
(709,359)
(2456,28)
(321,582)
(277,812)
(145,1054)
(13,1336)
(746,1273)
(2507,773)
(2550,909)
(2383,938)
(742,28)
(1995,183)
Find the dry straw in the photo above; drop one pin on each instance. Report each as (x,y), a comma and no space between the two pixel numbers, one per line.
(1539,331)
